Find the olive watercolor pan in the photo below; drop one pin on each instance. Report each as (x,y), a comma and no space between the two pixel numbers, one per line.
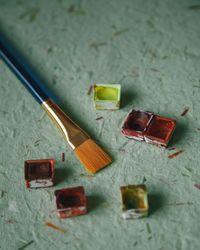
(134,201)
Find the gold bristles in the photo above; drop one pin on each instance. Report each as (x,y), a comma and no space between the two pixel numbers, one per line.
(92,156)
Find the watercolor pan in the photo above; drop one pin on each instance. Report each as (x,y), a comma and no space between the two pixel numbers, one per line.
(134,201)
(107,96)
(39,173)
(148,127)
(70,202)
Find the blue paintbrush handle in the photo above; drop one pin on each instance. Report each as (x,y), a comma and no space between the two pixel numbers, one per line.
(21,69)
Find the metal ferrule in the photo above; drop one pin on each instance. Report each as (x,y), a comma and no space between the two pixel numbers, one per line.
(72,132)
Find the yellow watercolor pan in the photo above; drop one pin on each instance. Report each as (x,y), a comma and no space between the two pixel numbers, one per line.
(107,96)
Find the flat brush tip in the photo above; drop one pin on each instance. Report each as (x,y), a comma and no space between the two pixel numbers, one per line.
(92,156)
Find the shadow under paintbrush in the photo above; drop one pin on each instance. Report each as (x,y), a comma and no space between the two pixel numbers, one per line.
(82,123)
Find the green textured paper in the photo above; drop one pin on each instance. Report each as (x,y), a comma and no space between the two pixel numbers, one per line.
(151,48)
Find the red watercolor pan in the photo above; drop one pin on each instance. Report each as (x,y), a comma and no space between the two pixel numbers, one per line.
(39,173)
(70,202)
(148,127)
(136,124)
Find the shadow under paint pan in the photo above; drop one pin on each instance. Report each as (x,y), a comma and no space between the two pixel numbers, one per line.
(107,96)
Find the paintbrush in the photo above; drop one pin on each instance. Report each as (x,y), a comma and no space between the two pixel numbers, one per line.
(86,150)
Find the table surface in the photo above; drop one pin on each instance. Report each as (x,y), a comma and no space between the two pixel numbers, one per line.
(152,49)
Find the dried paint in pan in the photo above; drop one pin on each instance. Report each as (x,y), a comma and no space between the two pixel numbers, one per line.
(160,131)
(70,202)
(134,201)
(39,173)
(136,124)
(107,96)
(148,127)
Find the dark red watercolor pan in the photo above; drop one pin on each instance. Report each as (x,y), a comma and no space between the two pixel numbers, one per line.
(136,124)
(148,127)
(39,173)
(70,202)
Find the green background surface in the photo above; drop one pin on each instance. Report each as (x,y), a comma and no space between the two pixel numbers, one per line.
(151,48)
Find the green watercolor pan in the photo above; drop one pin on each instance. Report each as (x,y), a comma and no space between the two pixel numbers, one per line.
(107,96)
(134,201)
